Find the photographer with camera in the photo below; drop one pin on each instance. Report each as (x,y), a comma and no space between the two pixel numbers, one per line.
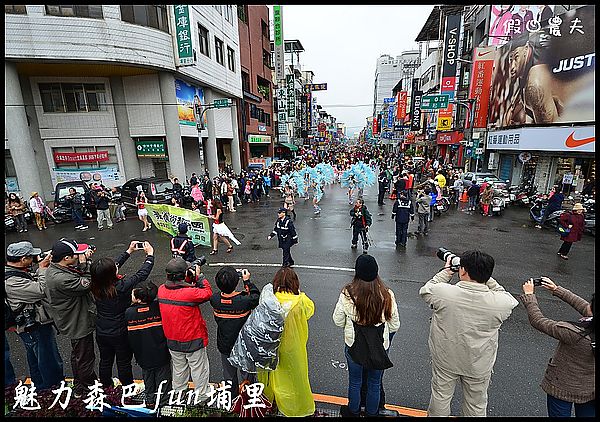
(570,376)
(360,223)
(463,338)
(73,307)
(231,309)
(102,209)
(183,324)
(25,293)
(112,292)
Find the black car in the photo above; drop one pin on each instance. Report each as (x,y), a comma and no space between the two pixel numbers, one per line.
(158,190)
(62,209)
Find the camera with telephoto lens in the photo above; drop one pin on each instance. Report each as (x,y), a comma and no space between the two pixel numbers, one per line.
(444,254)
(191,271)
(26,319)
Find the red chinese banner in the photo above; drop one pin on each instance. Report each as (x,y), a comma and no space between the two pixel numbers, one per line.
(401,105)
(375,125)
(80,157)
(481,82)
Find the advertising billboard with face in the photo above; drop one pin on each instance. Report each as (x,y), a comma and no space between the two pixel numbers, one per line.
(547,77)
(188,99)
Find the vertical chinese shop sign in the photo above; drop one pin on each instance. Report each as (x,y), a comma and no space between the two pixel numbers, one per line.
(481,81)
(185,52)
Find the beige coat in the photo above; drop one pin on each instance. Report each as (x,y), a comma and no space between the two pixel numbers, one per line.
(463,338)
(345,313)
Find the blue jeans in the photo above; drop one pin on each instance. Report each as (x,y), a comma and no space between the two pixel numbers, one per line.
(562,409)
(355,373)
(78,217)
(45,363)
(9,371)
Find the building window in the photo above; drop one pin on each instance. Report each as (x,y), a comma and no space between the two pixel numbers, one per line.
(263,87)
(242,11)
(245,82)
(219,51)
(253,111)
(228,13)
(203,36)
(268,119)
(154,16)
(261,115)
(265,29)
(231,59)
(266,58)
(81,11)
(72,98)
(15,10)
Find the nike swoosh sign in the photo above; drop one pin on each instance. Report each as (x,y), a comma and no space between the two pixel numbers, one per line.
(574,143)
(480,54)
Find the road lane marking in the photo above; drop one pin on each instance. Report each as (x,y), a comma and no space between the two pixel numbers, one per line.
(258,264)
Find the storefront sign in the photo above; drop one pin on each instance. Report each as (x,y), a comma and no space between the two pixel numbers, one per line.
(375,128)
(80,157)
(388,100)
(565,57)
(449,138)
(401,106)
(189,103)
(108,176)
(390,119)
(525,156)
(565,139)
(279,44)
(262,128)
(168,218)
(150,149)
(415,106)
(183,34)
(315,87)
(481,80)
(451,44)
(259,139)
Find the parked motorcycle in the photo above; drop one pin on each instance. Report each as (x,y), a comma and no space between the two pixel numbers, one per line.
(498,203)
(10,223)
(443,204)
(537,211)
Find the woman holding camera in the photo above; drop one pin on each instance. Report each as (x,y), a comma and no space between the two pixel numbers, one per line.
(570,376)
(112,292)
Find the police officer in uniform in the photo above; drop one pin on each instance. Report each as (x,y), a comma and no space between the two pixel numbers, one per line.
(403,210)
(383,185)
(181,245)
(286,234)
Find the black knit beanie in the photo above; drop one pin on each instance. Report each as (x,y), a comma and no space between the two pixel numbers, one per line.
(366,268)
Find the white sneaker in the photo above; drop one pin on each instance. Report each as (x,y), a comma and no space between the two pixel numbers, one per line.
(144,229)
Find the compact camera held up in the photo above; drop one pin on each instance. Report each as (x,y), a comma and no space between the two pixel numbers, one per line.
(444,254)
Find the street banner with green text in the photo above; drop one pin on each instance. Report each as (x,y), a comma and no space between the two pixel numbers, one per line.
(167,218)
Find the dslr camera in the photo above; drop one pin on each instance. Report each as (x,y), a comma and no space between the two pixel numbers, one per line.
(191,271)
(26,319)
(444,254)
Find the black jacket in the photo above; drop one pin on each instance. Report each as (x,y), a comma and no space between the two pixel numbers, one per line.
(187,252)
(102,202)
(360,217)
(403,211)
(231,312)
(383,181)
(285,231)
(146,336)
(75,201)
(111,312)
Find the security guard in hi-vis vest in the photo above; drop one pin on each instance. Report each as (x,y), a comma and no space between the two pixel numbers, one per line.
(181,245)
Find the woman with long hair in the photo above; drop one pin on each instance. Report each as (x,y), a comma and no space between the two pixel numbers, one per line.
(140,202)
(368,313)
(570,376)
(220,229)
(288,384)
(16,208)
(112,292)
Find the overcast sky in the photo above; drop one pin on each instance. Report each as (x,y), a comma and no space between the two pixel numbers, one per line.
(342,44)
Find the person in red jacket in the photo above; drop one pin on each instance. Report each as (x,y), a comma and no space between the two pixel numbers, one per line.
(574,222)
(184,326)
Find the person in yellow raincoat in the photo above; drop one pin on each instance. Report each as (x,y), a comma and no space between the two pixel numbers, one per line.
(288,384)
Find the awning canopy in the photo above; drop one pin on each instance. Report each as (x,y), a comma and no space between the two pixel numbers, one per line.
(291,147)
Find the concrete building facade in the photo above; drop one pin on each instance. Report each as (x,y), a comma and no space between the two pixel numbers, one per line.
(93,93)
(388,72)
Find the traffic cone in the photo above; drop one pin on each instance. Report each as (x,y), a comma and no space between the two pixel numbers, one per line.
(463,197)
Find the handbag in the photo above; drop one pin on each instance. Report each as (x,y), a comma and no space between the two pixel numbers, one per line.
(562,230)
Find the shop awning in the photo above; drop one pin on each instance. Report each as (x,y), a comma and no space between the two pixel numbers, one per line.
(291,147)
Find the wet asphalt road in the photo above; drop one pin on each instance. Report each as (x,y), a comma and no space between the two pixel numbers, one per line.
(520,251)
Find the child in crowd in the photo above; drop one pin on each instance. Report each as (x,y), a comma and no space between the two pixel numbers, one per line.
(148,342)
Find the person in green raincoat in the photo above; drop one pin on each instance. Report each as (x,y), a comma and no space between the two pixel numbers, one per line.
(288,384)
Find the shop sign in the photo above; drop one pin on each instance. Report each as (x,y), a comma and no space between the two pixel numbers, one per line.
(481,80)
(80,157)
(183,34)
(565,139)
(451,44)
(449,138)
(262,128)
(150,149)
(401,105)
(259,139)
(525,156)
(315,87)
(567,60)
(567,179)
(279,44)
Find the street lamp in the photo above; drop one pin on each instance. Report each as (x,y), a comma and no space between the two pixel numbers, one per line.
(469,104)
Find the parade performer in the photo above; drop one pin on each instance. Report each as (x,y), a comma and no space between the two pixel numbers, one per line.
(289,202)
(220,230)
(286,235)
(361,220)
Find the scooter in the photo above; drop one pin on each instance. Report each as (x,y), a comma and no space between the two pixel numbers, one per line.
(537,211)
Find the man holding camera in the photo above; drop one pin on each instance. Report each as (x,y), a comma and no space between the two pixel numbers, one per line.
(185,329)
(26,297)
(361,220)
(463,339)
(73,307)
(76,201)
(102,209)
